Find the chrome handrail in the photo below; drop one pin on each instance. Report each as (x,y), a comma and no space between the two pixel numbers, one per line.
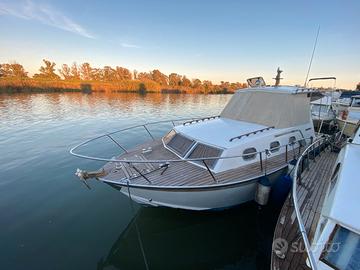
(168,161)
(320,141)
(73,149)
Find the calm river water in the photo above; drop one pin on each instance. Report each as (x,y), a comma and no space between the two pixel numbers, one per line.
(49,220)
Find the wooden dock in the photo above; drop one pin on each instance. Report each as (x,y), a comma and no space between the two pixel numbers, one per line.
(311,192)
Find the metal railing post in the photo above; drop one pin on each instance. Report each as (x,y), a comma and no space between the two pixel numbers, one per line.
(261,164)
(118,144)
(149,132)
(138,171)
(212,175)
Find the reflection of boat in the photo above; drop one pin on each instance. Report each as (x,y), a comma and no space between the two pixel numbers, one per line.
(214,162)
(336,243)
(175,239)
(348,119)
(322,112)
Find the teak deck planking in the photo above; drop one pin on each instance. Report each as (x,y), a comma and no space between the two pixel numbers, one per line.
(186,173)
(311,193)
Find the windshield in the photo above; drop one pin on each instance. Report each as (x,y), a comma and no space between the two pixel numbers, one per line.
(315,109)
(343,250)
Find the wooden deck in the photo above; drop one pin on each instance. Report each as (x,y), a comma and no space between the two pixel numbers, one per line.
(311,193)
(185,173)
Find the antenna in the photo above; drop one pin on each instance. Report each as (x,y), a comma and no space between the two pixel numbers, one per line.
(312,56)
(277,78)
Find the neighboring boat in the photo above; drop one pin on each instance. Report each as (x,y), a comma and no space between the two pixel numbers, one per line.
(322,113)
(349,119)
(336,242)
(341,103)
(215,162)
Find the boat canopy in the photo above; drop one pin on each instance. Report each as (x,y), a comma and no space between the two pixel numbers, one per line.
(279,107)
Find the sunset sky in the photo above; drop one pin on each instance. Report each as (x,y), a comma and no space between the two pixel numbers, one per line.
(215,40)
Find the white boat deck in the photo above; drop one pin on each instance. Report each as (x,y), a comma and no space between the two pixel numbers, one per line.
(184,174)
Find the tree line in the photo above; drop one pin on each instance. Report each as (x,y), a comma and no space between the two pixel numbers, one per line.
(14,78)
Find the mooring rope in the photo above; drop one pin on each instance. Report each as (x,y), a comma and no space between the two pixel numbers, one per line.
(137,229)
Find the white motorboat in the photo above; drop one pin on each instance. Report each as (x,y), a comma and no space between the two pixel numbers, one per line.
(336,243)
(349,119)
(322,112)
(214,162)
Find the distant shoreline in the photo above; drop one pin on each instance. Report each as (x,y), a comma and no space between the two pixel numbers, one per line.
(12,86)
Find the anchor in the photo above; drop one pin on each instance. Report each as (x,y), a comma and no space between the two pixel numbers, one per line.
(84,175)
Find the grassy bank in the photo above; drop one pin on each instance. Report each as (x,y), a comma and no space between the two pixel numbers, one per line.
(30,85)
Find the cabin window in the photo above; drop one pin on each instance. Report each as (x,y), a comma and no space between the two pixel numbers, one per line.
(206,151)
(355,103)
(343,250)
(292,140)
(179,143)
(169,136)
(274,146)
(249,153)
(302,142)
(334,177)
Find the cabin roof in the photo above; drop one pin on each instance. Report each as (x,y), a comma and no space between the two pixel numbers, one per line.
(219,131)
(345,204)
(278,89)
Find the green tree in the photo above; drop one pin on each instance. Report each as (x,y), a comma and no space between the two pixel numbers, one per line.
(196,83)
(14,70)
(65,71)
(123,74)
(47,71)
(174,79)
(108,74)
(159,77)
(97,74)
(85,71)
(144,76)
(208,86)
(75,72)
(185,82)
(358,86)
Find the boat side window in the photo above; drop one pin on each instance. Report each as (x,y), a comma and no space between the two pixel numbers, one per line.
(334,176)
(355,103)
(342,251)
(249,153)
(180,144)
(205,151)
(292,140)
(274,146)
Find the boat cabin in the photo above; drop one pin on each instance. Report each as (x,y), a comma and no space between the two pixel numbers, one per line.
(254,120)
(355,101)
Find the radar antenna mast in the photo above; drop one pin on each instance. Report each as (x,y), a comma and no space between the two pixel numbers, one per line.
(278,78)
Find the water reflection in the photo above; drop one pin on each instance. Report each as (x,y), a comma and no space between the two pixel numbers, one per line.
(175,239)
(50,219)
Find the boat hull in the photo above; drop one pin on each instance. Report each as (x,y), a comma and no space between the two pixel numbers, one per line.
(199,198)
(349,129)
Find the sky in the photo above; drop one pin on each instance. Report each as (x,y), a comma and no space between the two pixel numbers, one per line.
(222,40)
